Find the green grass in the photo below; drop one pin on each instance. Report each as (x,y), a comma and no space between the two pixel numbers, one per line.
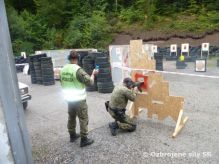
(212,61)
(178,23)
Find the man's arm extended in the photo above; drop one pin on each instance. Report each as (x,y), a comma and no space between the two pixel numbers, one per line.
(130,94)
(84,78)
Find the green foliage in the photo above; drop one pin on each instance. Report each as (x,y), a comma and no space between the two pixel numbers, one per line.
(54,39)
(54,24)
(88,32)
(27,31)
(52,12)
(193,6)
(131,15)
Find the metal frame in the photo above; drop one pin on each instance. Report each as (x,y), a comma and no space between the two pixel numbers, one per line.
(10,97)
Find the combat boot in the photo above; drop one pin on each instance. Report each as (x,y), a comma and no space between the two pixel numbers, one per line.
(74,136)
(114,128)
(132,129)
(86,141)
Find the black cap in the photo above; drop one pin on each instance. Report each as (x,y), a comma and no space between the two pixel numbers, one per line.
(72,55)
(128,82)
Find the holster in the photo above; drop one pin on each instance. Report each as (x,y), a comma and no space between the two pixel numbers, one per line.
(107,105)
(119,113)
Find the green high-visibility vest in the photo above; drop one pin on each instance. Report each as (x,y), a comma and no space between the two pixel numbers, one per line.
(73,89)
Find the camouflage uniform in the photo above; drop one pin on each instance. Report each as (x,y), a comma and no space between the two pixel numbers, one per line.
(79,108)
(118,103)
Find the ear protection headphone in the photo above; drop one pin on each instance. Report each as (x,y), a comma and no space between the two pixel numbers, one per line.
(128,82)
(69,57)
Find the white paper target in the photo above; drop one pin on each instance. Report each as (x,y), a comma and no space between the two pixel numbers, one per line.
(173,48)
(205,46)
(25,70)
(185,47)
(24,54)
(118,51)
(154,49)
(200,65)
(38,52)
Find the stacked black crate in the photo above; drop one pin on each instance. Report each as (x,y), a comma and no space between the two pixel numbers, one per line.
(38,71)
(35,68)
(81,55)
(159,61)
(20,60)
(32,71)
(88,63)
(47,71)
(104,77)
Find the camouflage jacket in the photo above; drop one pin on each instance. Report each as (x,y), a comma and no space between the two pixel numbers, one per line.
(83,77)
(120,97)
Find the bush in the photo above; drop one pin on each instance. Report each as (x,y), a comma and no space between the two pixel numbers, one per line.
(131,15)
(85,32)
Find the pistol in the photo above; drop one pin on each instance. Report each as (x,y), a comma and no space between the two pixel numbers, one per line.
(138,84)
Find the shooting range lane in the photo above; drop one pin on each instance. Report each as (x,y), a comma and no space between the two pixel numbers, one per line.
(47,126)
(47,120)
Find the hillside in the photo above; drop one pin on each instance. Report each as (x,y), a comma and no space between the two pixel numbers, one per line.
(40,24)
(122,39)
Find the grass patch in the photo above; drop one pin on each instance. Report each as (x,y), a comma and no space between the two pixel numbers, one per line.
(177,23)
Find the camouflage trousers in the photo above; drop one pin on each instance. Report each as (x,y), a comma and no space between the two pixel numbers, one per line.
(78,109)
(124,122)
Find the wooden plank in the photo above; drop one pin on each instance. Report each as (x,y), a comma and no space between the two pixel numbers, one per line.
(157,99)
(176,132)
(138,57)
(174,105)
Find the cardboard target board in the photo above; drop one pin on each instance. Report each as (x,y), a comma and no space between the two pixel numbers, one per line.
(205,48)
(155,96)
(138,58)
(24,54)
(156,100)
(185,48)
(200,65)
(173,48)
(154,49)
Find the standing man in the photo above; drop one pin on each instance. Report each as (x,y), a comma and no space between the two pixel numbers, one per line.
(117,107)
(73,82)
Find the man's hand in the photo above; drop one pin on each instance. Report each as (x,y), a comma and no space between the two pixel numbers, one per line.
(135,89)
(95,72)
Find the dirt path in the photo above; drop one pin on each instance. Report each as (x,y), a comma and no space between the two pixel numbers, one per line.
(123,39)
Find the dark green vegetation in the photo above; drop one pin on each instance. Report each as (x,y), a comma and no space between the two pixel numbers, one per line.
(54,24)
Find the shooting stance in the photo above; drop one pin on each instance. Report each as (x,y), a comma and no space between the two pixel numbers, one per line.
(117,106)
(73,81)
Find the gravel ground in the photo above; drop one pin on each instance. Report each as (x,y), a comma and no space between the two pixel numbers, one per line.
(198,142)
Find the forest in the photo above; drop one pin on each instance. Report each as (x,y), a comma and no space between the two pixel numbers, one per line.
(59,24)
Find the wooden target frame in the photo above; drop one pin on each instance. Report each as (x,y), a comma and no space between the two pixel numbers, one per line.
(155,98)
